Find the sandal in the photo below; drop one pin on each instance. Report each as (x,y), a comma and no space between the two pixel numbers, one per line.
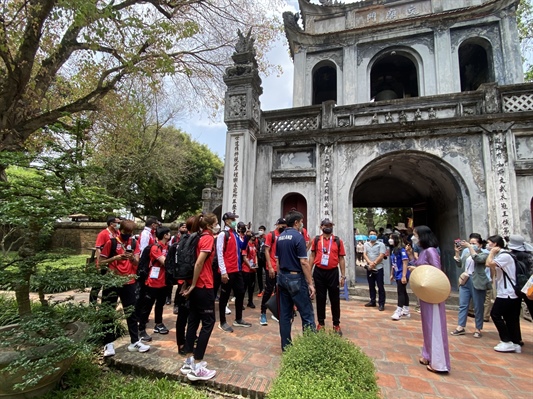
(436,371)
(458,332)
(478,334)
(423,361)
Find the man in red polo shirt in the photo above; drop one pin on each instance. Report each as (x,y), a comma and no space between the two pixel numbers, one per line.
(104,236)
(327,254)
(121,255)
(271,266)
(155,290)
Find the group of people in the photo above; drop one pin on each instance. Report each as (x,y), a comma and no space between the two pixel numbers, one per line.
(485,264)
(229,260)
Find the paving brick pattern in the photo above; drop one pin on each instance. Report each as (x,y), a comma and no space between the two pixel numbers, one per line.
(248,359)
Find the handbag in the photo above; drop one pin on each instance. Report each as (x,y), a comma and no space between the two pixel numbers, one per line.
(463,278)
(272,304)
(528,288)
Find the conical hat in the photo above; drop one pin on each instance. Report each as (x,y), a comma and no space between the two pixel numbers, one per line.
(430,284)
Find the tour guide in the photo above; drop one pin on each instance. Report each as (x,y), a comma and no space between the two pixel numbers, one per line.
(295,284)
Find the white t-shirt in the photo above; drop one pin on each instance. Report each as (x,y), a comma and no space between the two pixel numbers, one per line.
(505,262)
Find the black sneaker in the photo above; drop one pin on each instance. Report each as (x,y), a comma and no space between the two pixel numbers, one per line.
(241,323)
(160,329)
(225,327)
(381,308)
(370,305)
(167,302)
(176,309)
(143,336)
(251,305)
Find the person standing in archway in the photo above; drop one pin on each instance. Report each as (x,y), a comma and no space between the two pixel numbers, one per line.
(374,255)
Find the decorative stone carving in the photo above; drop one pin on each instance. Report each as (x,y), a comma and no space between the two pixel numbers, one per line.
(291,160)
(518,103)
(501,166)
(326,173)
(330,3)
(388,117)
(343,121)
(245,44)
(374,119)
(402,118)
(237,106)
(235,188)
(418,115)
(432,113)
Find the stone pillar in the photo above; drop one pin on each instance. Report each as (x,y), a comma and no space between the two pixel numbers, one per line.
(350,75)
(447,82)
(501,181)
(301,94)
(242,115)
(511,47)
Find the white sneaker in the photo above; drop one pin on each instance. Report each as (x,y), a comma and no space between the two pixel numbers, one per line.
(505,347)
(397,315)
(138,347)
(274,318)
(228,310)
(109,350)
(233,299)
(517,348)
(405,312)
(187,367)
(201,373)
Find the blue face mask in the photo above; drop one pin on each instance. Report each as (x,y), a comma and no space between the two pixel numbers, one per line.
(475,247)
(372,237)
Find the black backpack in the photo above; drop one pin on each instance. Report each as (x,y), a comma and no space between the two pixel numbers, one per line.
(143,268)
(184,257)
(521,275)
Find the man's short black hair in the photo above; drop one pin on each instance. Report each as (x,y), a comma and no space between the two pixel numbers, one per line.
(262,228)
(111,219)
(151,220)
(161,231)
(292,217)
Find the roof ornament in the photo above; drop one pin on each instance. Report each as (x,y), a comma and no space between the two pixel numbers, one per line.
(330,2)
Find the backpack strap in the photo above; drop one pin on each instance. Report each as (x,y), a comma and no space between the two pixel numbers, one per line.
(316,242)
(226,239)
(113,249)
(337,241)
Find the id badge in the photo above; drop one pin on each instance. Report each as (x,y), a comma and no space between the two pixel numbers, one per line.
(154,272)
(325,260)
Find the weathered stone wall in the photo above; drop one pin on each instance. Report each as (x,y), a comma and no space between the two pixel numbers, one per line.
(77,236)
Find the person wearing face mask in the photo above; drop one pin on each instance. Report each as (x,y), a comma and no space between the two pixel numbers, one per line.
(327,256)
(473,283)
(505,312)
(229,254)
(201,296)
(111,231)
(271,266)
(435,351)
(249,267)
(121,255)
(261,259)
(182,230)
(374,254)
(399,272)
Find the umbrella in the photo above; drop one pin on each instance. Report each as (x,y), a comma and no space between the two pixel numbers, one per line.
(361,237)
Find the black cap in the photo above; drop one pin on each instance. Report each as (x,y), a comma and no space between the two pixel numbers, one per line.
(281,221)
(326,221)
(229,215)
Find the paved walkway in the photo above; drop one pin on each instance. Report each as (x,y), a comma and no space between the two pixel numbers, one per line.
(248,359)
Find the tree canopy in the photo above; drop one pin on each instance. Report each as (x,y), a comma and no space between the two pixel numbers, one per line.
(525,29)
(61,57)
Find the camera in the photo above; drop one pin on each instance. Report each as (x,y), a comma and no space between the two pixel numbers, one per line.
(458,242)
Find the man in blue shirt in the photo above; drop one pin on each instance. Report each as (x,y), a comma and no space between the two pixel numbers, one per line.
(295,283)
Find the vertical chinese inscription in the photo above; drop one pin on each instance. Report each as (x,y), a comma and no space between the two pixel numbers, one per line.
(235,175)
(326,173)
(499,148)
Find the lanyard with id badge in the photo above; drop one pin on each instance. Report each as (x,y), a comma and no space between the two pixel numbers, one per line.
(324,261)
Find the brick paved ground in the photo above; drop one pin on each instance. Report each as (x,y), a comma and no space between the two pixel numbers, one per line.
(248,359)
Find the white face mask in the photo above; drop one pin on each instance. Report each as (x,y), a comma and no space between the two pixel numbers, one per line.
(216,229)
(414,240)
(391,241)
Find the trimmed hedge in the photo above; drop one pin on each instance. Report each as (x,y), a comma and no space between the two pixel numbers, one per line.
(324,365)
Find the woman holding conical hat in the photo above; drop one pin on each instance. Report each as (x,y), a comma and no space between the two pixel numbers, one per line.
(435,353)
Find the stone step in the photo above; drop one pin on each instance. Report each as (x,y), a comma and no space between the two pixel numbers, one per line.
(360,292)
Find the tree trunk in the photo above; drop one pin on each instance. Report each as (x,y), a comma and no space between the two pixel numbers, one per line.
(22,294)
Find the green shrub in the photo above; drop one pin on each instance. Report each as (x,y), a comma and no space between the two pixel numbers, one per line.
(86,380)
(324,365)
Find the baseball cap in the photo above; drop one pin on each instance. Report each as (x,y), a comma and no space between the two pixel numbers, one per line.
(326,221)
(229,215)
(281,221)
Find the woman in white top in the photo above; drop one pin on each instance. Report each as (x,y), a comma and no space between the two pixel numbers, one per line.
(506,309)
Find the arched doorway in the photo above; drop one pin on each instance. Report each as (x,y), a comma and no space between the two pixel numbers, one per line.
(433,189)
(294,201)
(475,63)
(324,82)
(394,75)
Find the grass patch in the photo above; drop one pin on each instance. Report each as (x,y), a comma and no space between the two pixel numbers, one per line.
(324,365)
(87,380)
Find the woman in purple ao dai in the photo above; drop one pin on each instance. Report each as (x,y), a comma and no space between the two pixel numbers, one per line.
(435,353)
